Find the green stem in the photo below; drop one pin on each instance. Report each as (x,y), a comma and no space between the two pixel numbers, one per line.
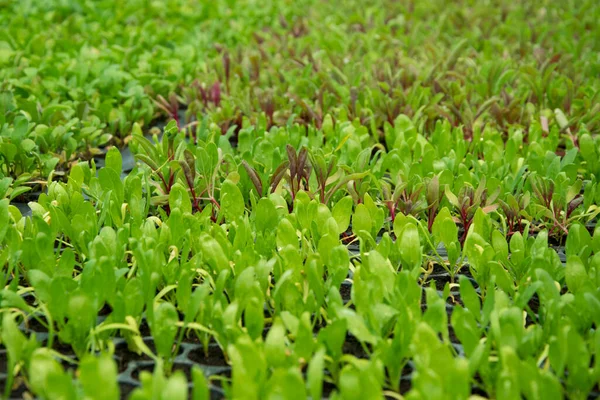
(50,326)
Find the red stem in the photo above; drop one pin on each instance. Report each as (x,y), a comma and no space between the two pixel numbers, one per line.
(390,206)
(175,116)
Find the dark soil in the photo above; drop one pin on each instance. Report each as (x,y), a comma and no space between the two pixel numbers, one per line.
(144,328)
(534,303)
(216,394)
(32,195)
(405,385)
(479,392)
(346,292)
(150,343)
(34,325)
(215,356)
(3,362)
(19,390)
(63,348)
(126,389)
(438,270)
(477,388)
(440,281)
(105,310)
(327,389)
(124,356)
(29,298)
(353,346)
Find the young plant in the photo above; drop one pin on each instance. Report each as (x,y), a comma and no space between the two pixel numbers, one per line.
(468,201)
(170,107)
(514,209)
(406,198)
(556,205)
(295,170)
(331,177)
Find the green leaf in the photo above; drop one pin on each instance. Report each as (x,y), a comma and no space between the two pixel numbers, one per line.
(399,222)
(499,244)
(266,215)
(249,368)
(4,218)
(377,215)
(579,242)
(575,274)
(254,318)
(21,126)
(43,372)
(452,197)
(275,348)
(12,338)
(444,228)
(350,384)
(361,220)
(286,234)
(98,376)
(465,327)
(27,145)
(286,383)
(200,389)
(470,296)
(176,387)
(410,246)
(19,191)
(4,185)
(179,199)
(232,201)
(8,151)
(314,375)
(213,254)
(341,213)
(164,328)
(503,278)
(114,160)
(357,326)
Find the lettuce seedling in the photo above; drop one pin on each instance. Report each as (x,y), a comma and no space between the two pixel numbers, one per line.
(444,230)
(19,348)
(21,160)
(12,189)
(156,384)
(361,379)
(163,325)
(249,367)
(437,372)
(98,376)
(47,377)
